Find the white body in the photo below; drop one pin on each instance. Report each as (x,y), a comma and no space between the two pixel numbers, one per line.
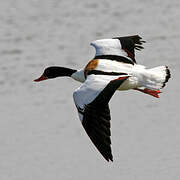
(139,75)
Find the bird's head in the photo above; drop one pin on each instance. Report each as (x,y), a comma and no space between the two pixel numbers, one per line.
(55,71)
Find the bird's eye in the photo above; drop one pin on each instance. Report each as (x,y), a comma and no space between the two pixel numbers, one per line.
(46,72)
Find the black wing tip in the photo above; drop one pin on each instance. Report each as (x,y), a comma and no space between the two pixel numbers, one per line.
(110,159)
(137,40)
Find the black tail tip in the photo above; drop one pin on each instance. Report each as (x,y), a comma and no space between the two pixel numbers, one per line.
(168,75)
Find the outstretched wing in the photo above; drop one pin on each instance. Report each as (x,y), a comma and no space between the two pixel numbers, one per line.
(119,48)
(91,100)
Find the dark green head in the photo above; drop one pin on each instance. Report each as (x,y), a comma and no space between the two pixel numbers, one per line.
(55,71)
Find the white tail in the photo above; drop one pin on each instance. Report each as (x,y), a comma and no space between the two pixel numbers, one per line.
(158,77)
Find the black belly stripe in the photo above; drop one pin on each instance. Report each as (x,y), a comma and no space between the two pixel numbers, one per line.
(98,72)
(115,58)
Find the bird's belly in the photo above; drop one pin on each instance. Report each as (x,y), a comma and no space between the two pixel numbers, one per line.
(130,83)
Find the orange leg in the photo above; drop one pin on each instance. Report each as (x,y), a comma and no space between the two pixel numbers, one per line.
(154,93)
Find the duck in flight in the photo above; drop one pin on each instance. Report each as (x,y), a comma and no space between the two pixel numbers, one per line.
(114,67)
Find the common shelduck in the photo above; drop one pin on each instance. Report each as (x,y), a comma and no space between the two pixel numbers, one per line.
(113,68)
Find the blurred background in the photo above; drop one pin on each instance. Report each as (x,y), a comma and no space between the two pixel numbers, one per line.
(41,136)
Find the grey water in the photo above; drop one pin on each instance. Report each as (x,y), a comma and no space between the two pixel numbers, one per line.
(40,134)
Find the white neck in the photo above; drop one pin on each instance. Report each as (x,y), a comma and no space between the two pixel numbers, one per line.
(79,75)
